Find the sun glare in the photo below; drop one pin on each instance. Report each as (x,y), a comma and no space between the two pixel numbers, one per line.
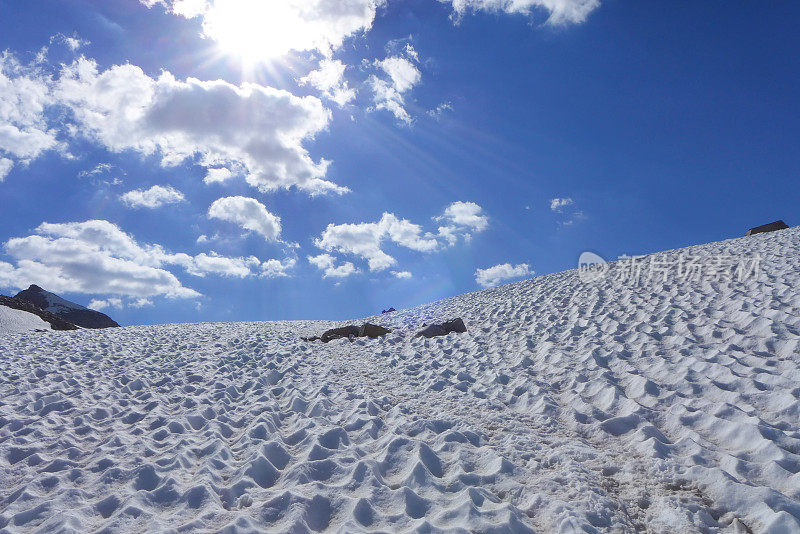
(261,30)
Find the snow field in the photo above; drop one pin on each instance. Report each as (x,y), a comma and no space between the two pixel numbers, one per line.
(567,407)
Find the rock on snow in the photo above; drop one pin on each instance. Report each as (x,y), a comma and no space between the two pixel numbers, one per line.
(669,406)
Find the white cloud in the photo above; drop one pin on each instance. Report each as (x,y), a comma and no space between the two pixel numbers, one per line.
(254,130)
(465,214)
(275,268)
(365,239)
(100,168)
(403,75)
(103,174)
(574,217)
(499,273)
(230,267)
(213,263)
(559,11)
(5,167)
(558,204)
(73,43)
(218,176)
(93,257)
(111,302)
(327,263)
(96,235)
(258,29)
(24,99)
(408,234)
(360,239)
(152,198)
(461,219)
(118,303)
(402,274)
(411,52)
(189,8)
(252,127)
(248,213)
(204,238)
(97,257)
(568,216)
(329,80)
(389,99)
(440,110)
(8,275)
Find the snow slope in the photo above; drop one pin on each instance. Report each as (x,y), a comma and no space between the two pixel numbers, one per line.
(56,304)
(668,406)
(16,321)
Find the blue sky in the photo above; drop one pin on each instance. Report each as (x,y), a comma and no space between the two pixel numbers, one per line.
(435,139)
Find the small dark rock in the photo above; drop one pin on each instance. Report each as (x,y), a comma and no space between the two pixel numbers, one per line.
(372,331)
(433,331)
(365,330)
(454,325)
(336,333)
(771,227)
(390,310)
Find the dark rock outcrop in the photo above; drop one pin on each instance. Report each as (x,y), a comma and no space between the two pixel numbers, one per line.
(390,310)
(365,330)
(337,333)
(455,325)
(372,331)
(66,310)
(56,322)
(771,227)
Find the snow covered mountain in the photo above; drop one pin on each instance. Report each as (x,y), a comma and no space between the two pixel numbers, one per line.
(74,313)
(22,316)
(657,394)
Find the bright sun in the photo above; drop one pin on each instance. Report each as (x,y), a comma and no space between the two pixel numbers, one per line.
(259,30)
